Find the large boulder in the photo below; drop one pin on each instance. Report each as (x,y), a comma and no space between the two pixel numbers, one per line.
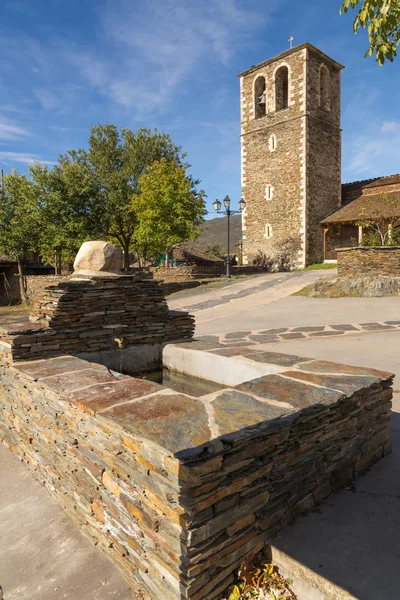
(98,259)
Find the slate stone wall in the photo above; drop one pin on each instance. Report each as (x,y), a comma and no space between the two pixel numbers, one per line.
(188,272)
(178,490)
(304,169)
(94,314)
(360,261)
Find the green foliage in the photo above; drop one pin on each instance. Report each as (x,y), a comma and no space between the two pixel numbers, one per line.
(168,207)
(215,250)
(66,203)
(116,161)
(380,217)
(19,222)
(382,19)
(318,266)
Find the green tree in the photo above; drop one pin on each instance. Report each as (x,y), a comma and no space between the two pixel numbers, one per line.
(382,19)
(169,208)
(19,223)
(214,249)
(116,161)
(66,197)
(380,217)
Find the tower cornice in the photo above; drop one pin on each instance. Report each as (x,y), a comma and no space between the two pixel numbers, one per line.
(290,51)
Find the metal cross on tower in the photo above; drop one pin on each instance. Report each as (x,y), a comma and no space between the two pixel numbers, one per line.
(291,40)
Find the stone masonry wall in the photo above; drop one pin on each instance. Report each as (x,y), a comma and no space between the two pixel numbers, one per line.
(303,168)
(178,490)
(281,168)
(188,272)
(36,284)
(323,160)
(99,313)
(360,261)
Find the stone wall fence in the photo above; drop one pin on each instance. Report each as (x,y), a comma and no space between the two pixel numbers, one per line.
(362,261)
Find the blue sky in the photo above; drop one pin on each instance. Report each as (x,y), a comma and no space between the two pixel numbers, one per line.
(172,64)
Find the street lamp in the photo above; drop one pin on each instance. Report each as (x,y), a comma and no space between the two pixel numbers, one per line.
(227,204)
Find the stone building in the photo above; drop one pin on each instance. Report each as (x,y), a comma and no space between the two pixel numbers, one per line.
(291,159)
(291,150)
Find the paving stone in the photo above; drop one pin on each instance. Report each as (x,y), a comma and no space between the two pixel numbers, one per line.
(234,411)
(233,351)
(237,334)
(271,331)
(298,395)
(101,396)
(344,327)
(326,333)
(374,326)
(344,383)
(80,379)
(175,422)
(392,322)
(277,358)
(236,344)
(37,369)
(291,336)
(325,366)
(309,329)
(261,339)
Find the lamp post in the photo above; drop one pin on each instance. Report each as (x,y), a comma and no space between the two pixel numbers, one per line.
(227,204)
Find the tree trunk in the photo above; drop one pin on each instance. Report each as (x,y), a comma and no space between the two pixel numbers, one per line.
(126,257)
(22,282)
(167,258)
(58,265)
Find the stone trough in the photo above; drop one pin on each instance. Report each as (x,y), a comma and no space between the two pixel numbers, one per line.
(178,489)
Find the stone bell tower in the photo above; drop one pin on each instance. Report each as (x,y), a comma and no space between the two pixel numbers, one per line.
(291,151)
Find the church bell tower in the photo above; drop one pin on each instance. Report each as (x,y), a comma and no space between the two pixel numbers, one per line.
(290,152)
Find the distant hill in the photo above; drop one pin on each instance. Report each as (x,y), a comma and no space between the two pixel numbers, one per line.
(215,231)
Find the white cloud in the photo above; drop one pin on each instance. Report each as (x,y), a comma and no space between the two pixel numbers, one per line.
(22,158)
(10,132)
(149,48)
(390,127)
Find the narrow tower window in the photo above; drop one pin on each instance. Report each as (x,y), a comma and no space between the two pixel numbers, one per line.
(260,98)
(324,88)
(268,231)
(272,142)
(282,88)
(269,192)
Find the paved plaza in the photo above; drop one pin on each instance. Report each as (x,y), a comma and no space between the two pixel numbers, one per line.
(352,540)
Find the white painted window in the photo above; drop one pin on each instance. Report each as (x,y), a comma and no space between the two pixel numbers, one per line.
(268,231)
(272,142)
(269,192)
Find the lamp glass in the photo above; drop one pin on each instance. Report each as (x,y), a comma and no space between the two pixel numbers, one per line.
(227,202)
(217,205)
(242,204)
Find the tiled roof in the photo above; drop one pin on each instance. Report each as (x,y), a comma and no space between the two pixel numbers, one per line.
(366,207)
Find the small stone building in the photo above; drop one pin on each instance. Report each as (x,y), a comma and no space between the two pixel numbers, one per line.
(291,159)
(361,200)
